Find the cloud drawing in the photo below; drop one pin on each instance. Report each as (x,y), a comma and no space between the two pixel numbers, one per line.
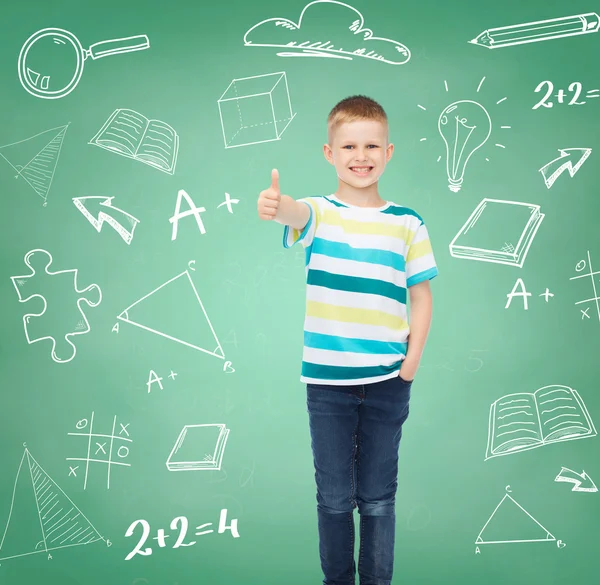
(326,28)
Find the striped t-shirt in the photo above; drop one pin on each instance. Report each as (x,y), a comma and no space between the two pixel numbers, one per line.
(359,263)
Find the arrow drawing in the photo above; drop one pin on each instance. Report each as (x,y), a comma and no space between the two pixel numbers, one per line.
(582,481)
(564,162)
(113,216)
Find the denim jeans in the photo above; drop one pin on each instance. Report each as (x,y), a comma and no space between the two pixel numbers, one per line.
(355,435)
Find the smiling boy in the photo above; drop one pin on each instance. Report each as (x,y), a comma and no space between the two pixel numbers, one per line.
(360,355)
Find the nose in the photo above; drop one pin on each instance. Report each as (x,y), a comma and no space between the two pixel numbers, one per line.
(361,155)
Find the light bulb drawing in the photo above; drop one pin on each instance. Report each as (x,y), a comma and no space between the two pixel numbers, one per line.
(465,127)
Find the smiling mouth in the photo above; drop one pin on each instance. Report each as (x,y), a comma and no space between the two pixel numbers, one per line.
(362,171)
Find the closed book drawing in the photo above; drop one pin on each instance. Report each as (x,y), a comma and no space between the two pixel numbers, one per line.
(133,135)
(198,447)
(526,420)
(498,231)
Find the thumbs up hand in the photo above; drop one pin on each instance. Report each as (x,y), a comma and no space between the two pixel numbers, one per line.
(269,199)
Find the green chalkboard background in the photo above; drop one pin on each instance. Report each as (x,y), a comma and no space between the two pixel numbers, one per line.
(252,290)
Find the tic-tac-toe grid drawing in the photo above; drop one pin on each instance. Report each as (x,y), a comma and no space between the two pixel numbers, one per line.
(584,271)
(100,449)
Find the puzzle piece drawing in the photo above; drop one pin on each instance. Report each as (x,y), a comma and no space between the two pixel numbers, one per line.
(66,313)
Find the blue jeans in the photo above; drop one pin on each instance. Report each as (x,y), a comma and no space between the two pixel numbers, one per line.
(355,435)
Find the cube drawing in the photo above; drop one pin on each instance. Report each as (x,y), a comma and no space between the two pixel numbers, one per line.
(255,109)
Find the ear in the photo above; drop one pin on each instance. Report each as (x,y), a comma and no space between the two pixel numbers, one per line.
(328,153)
(389,152)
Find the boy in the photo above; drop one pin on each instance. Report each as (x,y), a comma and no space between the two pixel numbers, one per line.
(362,254)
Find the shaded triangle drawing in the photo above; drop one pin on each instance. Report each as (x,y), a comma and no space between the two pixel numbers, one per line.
(510,522)
(35,158)
(42,517)
(174,310)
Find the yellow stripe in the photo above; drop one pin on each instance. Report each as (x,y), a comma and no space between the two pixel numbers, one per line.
(419,250)
(351,315)
(367,228)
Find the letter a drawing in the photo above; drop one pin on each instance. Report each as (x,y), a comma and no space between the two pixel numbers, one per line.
(193,210)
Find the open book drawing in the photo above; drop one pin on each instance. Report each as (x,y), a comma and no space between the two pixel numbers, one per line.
(198,447)
(498,231)
(525,420)
(132,135)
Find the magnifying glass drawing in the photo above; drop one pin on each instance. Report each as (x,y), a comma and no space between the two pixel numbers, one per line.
(51,60)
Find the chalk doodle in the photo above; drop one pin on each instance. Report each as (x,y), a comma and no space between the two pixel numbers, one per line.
(51,60)
(465,127)
(582,482)
(199,447)
(345,37)
(35,158)
(101,447)
(130,134)
(62,315)
(498,231)
(181,525)
(511,523)
(537,31)
(570,160)
(576,87)
(99,210)
(528,420)
(42,517)
(174,311)
(255,109)
(580,267)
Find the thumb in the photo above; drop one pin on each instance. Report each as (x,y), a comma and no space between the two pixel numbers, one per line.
(275,179)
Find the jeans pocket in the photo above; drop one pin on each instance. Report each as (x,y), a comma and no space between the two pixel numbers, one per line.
(405,381)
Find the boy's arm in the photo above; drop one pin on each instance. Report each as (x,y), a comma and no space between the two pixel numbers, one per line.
(421,307)
(293,213)
(272,205)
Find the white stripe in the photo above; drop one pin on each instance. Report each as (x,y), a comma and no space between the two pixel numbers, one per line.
(335,233)
(356,268)
(420,235)
(348,359)
(342,298)
(420,265)
(363,216)
(357,330)
(307,380)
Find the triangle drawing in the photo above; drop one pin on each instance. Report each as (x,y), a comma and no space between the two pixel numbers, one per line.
(42,517)
(510,522)
(174,310)
(35,158)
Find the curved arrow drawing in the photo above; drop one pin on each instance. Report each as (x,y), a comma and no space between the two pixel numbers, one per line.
(582,481)
(96,215)
(555,168)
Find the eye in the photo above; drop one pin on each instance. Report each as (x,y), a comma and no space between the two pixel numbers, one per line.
(373,145)
(347,146)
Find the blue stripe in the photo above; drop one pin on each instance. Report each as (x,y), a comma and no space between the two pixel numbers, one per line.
(307,253)
(399,210)
(421,276)
(334,202)
(324,372)
(356,284)
(352,344)
(370,255)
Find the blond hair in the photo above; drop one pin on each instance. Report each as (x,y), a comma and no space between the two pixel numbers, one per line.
(350,109)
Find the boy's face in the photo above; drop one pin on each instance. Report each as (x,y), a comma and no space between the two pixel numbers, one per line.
(359,151)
